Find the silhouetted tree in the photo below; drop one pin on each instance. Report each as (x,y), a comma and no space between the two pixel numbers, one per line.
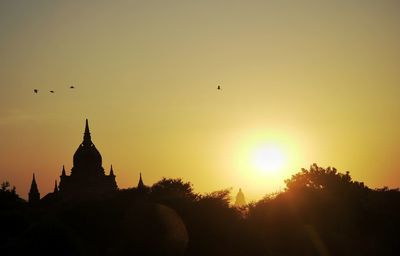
(215,225)
(325,212)
(9,197)
(321,178)
(173,188)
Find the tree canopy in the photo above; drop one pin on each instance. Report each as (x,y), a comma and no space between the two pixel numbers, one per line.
(319,178)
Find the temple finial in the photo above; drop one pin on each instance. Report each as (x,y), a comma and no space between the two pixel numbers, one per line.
(87,126)
(111,171)
(63,171)
(86,137)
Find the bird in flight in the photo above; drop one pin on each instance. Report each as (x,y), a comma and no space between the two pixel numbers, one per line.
(219,87)
(35,90)
(72,87)
(51,91)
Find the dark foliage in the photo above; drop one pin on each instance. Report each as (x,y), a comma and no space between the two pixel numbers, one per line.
(321,212)
(8,197)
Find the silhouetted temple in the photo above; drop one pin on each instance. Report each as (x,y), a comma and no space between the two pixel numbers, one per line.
(87,179)
(240,200)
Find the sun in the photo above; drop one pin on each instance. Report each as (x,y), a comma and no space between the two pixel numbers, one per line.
(268,159)
(262,159)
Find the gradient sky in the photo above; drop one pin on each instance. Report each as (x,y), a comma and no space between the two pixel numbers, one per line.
(320,79)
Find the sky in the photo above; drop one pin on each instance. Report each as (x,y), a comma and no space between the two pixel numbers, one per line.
(317,81)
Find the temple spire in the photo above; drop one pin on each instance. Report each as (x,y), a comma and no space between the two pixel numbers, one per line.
(140,185)
(111,171)
(63,171)
(34,195)
(87,140)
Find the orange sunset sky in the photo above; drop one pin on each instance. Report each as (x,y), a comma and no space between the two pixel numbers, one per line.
(312,81)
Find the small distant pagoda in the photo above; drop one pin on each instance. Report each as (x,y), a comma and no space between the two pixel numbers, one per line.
(240,200)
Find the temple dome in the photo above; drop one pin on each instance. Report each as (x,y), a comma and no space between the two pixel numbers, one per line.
(87,155)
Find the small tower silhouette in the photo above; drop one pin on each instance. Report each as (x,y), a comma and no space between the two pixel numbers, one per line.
(240,200)
(55,187)
(34,195)
(141,186)
(112,171)
(63,172)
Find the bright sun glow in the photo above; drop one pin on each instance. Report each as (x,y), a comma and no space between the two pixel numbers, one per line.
(261,160)
(269,159)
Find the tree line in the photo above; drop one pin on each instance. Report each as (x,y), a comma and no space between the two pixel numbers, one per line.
(320,212)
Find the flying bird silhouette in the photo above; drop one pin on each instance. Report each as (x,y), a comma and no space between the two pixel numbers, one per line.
(219,87)
(35,90)
(51,91)
(72,87)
